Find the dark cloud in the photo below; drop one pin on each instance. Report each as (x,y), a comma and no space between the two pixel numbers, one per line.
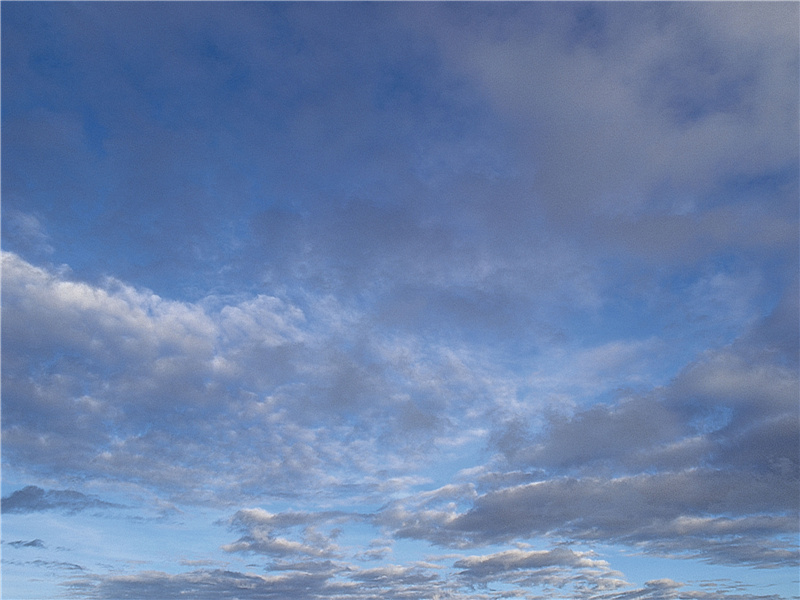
(37,543)
(54,565)
(35,499)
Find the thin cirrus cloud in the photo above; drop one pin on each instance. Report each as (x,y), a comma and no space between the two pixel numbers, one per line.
(453,301)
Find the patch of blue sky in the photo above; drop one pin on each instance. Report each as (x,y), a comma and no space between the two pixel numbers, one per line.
(696,575)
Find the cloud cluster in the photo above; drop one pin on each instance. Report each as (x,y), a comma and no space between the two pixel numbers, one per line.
(706,467)
(560,573)
(513,282)
(134,387)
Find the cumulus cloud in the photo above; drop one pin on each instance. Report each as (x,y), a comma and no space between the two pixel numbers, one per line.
(261,530)
(123,374)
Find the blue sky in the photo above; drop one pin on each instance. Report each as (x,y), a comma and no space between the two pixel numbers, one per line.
(400,300)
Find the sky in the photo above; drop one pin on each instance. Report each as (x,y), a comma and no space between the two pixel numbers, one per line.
(409,301)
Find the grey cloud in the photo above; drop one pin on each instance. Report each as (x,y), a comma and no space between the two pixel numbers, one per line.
(627,432)
(660,152)
(35,499)
(394,577)
(205,585)
(649,511)
(50,564)
(667,589)
(705,467)
(557,568)
(37,543)
(618,507)
(392,582)
(387,582)
(265,533)
(558,573)
(725,409)
(520,559)
(101,376)
(555,581)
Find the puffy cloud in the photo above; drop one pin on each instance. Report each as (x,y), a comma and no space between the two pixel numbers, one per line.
(558,568)
(127,384)
(261,529)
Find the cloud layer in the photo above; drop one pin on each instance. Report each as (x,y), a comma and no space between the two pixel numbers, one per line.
(453,301)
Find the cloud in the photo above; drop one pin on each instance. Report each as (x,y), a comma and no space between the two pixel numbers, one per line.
(473,276)
(206,584)
(55,565)
(261,530)
(705,467)
(34,499)
(557,568)
(634,159)
(635,510)
(37,543)
(551,569)
(25,233)
(487,565)
(667,589)
(125,383)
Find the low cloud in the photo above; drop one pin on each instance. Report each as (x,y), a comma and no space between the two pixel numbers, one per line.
(37,543)
(133,381)
(265,533)
(35,499)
